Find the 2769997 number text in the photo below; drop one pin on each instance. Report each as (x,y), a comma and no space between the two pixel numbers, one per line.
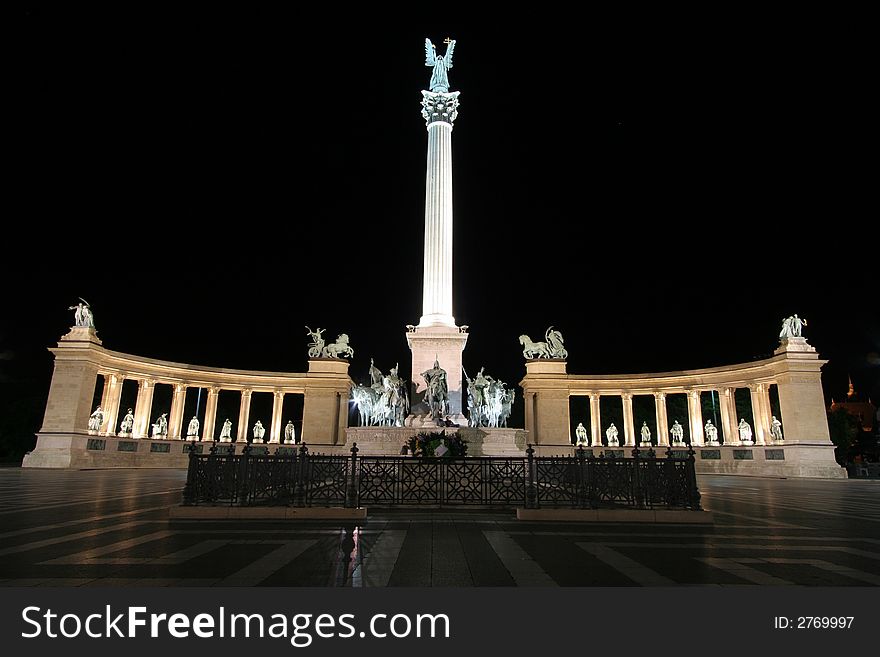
(813,622)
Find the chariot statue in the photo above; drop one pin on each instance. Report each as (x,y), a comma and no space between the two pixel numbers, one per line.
(339,348)
(534,349)
(554,343)
(317,344)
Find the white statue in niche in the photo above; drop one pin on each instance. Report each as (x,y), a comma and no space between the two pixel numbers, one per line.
(226,432)
(192,430)
(611,434)
(711,433)
(776,430)
(127,424)
(289,433)
(677,432)
(259,432)
(160,426)
(581,434)
(646,435)
(96,419)
(745,432)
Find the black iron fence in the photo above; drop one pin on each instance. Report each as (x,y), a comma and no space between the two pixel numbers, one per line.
(582,481)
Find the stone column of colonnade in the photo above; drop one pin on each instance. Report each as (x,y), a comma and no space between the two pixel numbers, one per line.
(728,416)
(142,408)
(628,421)
(277,406)
(113,387)
(175,420)
(695,417)
(760,412)
(210,413)
(244,414)
(595,420)
(662,421)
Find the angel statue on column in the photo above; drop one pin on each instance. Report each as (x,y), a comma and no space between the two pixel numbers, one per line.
(441,64)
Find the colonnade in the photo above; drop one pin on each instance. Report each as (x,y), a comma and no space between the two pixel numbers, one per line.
(112,395)
(80,358)
(794,368)
(728,429)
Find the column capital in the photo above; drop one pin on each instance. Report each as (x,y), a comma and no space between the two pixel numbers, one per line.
(626,396)
(595,395)
(660,396)
(214,390)
(146,383)
(180,387)
(246,392)
(439,107)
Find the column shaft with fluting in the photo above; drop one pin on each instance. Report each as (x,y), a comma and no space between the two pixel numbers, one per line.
(439,111)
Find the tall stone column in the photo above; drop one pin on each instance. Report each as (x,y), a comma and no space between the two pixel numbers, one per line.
(143,408)
(210,414)
(275,429)
(629,433)
(695,417)
(728,416)
(175,424)
(761,423)
(662,421)
(244,413)
(437,338)
(114,396)
(105,396)
(439,111)
(595,420)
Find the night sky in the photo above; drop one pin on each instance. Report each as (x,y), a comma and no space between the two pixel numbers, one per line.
(664,196)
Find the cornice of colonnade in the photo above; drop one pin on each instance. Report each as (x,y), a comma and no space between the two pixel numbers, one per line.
(134,367)
(741,375)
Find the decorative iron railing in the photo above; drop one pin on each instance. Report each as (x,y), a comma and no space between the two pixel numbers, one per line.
(581,481)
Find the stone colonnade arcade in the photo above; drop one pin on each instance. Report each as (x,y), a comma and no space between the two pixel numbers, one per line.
(806,449)
(64,441)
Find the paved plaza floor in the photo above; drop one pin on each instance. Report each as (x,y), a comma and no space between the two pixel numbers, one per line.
(111,528)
